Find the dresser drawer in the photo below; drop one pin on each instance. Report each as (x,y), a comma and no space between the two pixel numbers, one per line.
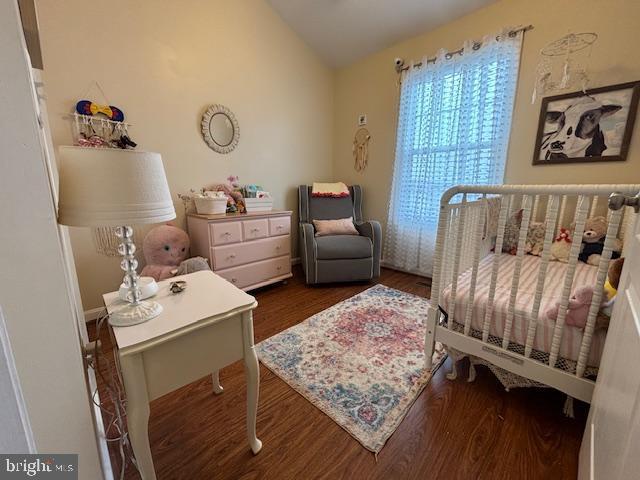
(279,226)
(240,253)
(257,272)
(253,229)
(225,232)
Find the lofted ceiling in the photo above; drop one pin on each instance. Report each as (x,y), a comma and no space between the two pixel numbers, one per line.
(343,31)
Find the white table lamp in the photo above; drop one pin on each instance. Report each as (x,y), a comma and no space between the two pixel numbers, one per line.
(111,187)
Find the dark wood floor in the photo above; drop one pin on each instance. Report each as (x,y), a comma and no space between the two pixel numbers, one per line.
(454,430)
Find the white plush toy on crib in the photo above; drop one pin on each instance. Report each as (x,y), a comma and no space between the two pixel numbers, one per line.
(561,246)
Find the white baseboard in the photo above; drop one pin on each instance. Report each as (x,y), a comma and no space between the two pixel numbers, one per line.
(295,261)
(93,314)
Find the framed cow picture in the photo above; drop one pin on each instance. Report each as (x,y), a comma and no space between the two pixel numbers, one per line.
(591,127)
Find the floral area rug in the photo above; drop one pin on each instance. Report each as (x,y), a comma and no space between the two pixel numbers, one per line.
(361,361)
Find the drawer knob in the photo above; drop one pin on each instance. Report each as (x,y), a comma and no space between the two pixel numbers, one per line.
(226,234)
(233,255)
(280,227)
(278,247)
(234,280)
(279,267)
(255,229)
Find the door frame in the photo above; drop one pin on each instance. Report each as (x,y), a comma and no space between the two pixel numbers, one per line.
(36,293)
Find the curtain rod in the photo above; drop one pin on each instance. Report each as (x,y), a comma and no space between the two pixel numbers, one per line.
(400,67)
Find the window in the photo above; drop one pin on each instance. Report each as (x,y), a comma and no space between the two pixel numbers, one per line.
(453,128)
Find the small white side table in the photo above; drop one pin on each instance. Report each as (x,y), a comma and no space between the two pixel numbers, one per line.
(206,327)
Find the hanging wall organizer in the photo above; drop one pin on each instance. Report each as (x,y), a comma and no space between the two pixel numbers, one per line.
(101,125)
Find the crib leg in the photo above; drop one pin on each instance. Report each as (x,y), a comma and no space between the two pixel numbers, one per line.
(472,371)
(455,356)
(453,374)
(430,338)
(568,407)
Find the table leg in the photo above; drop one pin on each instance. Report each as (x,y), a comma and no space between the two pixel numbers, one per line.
(217,388)
(138,412)
(253,381)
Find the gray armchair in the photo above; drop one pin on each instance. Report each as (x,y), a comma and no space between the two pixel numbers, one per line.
(337,258)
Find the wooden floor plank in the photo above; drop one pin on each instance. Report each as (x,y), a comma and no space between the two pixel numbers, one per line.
(455,429)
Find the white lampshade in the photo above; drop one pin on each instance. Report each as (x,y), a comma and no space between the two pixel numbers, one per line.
(112,187)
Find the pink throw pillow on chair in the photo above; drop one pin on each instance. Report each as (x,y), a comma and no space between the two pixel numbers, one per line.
(341,226)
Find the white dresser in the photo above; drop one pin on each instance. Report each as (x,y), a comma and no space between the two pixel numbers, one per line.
(249,250)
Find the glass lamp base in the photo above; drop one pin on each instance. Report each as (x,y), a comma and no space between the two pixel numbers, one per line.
(131,314)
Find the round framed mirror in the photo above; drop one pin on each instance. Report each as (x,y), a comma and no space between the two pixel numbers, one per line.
(220,129)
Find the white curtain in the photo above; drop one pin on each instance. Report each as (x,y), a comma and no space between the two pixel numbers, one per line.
(453,128)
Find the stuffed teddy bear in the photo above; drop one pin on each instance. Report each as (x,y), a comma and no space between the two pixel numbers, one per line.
(561,246)
(595,231)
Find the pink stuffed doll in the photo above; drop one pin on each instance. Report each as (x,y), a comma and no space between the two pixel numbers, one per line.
(164,247)
(579,305)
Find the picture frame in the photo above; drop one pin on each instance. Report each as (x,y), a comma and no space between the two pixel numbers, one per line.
(591,126)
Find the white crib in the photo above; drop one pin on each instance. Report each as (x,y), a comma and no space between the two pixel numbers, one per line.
(490,306)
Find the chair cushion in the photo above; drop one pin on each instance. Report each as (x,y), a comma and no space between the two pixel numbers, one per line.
(333,247)
(340,226)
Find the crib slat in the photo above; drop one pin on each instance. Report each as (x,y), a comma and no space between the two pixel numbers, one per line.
(624,223)
(505,204)
(456,261)
(517,203)
(580,217)
(515,280)
(550,222)
(628,216)
(438,260)
(534,212)
(603,266)
(512,204)
(563,207)
(443,266)
(594,206)
(476,260)
(466,252)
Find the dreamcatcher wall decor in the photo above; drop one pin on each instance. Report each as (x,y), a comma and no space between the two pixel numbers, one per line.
(361,149)
(564,64)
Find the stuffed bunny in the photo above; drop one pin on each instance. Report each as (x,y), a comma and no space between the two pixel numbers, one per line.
(578,309)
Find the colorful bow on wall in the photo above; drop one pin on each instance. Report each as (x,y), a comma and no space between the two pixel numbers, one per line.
(86,107)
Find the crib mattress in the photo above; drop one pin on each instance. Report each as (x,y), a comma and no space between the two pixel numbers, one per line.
(572,336)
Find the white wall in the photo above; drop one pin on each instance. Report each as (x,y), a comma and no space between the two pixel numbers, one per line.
(35,289)
(370,86)
(164,65)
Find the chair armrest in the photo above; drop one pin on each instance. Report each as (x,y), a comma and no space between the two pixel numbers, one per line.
(372,230)
(306,238)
